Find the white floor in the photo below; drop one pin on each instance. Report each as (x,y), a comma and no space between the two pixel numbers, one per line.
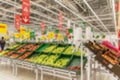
(23,74)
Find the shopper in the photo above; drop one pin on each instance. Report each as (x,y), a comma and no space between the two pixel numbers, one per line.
(2,43)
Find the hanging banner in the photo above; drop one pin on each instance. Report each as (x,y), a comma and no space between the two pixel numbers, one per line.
(118,33)
(3,28)
(42,27)
(67,32)
(117,6)
(17,21)
(60,21)
(25,11)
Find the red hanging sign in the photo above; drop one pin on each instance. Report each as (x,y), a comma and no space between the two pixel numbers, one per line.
(118,33)
(118,38)
(117,6)
(67,33)
(42,27)
(25,11)
(60,21)
(17,21)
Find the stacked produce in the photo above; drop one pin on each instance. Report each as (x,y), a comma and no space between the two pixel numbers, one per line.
(20,46)
(61,62)
(50,60)
(13,46)
(38,59)
(49,49)
(33,48)
(69,50)
(8,53)
(58,50)
(26,54)
(4,52)
(74,68)
(22,50)
(55,58)
(107,57)
(14,55)
(29,46)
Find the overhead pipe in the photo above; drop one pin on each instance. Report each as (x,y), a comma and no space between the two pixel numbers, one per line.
(30,17)
(114,14)
(32,11)
(57,1)
(96,15)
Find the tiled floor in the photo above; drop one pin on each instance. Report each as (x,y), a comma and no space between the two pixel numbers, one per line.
(23,74)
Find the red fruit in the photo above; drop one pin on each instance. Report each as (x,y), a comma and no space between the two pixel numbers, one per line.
(70,68)
(77,68)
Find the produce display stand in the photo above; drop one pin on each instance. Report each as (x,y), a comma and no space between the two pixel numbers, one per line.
(112,69)
(42,47)
(41,70)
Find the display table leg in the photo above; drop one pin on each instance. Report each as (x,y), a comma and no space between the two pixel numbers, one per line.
(41,74)
(37,74)
(16,70)
(13,69)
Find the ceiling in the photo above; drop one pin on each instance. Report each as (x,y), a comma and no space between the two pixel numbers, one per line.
(96,13)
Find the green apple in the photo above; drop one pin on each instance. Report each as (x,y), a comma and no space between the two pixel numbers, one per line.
(69,50)
(50,48)
(58,50)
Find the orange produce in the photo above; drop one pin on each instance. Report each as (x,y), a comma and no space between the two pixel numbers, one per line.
(7,54)
(14,55)
(29,46)
(25,55)
(33,48)
(19,46)
(21,50)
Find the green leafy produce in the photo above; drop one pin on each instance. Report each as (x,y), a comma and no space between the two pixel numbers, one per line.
(50,60)
(58,50)
(69,50)
(49,49)
(38,59)
(61,62)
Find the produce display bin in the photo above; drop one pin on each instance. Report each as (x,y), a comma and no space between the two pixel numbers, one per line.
(64,57)
(75,64)
(42,47)
(39,57)
(68,53)
(13,46)
(76,61)
(32,58)
(25,55)
(20,46)
(8,53)
(4,52)
(55,51)
(51,46)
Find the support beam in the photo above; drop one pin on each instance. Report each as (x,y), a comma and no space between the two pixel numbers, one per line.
(80,17)
(96,16)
